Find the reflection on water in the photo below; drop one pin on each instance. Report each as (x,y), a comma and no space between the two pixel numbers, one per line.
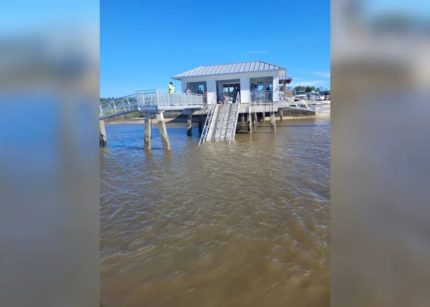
(218,225)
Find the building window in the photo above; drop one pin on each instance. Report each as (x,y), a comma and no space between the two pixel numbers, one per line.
(261,89)
(197,87)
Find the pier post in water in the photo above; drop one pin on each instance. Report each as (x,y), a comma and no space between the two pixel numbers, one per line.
(264,116)
(103,138)
(148,127)
(281,114)
(201,123)
(273,122)
(250,122)
(190,124)
(163,130)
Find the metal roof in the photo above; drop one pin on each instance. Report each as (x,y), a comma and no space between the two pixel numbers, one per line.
(243,67)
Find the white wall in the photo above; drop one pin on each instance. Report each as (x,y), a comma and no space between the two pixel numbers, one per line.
(244,83)
(211,87)
(275,87)
(245,94)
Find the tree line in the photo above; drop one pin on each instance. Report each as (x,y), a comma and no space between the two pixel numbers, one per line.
(107,99)
(307,89)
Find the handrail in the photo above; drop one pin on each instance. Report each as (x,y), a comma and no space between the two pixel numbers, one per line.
(261,96)
(236,117)
(149,99)
(205,127)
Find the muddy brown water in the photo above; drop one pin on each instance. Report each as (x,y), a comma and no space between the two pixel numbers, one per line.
(244,224)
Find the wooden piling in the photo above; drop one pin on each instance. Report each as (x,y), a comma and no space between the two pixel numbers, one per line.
(190,124)
(163,131)
(281,114)
(148,128)
(102,138)
(201,123)
(264,116)
(249,118)
(273,122)
(254,119)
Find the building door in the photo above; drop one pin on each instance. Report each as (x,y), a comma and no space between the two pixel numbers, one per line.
(228,91)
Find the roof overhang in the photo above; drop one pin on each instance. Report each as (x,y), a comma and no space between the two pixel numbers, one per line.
(224,74)
(229,69)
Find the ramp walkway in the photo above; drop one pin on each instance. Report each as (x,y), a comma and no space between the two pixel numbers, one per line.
(150,101)
(221,123)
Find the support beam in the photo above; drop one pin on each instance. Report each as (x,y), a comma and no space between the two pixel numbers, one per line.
(190,124)
(281,114)
(102,138)
(148,128)
(273,122)
(201,123)
(163,131)
(249,121)
(264,116)
(242,121)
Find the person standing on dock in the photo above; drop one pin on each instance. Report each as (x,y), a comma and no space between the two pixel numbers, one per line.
(171,88)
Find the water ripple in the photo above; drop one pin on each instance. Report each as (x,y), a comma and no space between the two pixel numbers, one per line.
(217,224)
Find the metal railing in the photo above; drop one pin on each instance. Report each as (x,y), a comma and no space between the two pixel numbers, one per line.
(261,96)
(208,121)
(292,103)
(158,98)
(118,106)
(149,99)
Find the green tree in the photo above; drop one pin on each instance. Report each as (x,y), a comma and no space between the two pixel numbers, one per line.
(306,89)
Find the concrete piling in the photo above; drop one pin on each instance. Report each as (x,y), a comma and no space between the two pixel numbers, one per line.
(273,122)
(190,124)
(201,123)
(102,138)
(249,120)
(163,131)
(148,128)
(242,121)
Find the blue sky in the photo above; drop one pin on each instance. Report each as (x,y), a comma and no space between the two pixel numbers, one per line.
(144,43)
(24,16)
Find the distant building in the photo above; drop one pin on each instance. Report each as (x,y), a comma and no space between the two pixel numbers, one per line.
(242,82)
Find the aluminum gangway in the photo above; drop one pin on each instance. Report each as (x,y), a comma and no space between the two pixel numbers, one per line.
(221,123)
(150,101)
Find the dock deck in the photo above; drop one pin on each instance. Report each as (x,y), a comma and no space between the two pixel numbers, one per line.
(155,101)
